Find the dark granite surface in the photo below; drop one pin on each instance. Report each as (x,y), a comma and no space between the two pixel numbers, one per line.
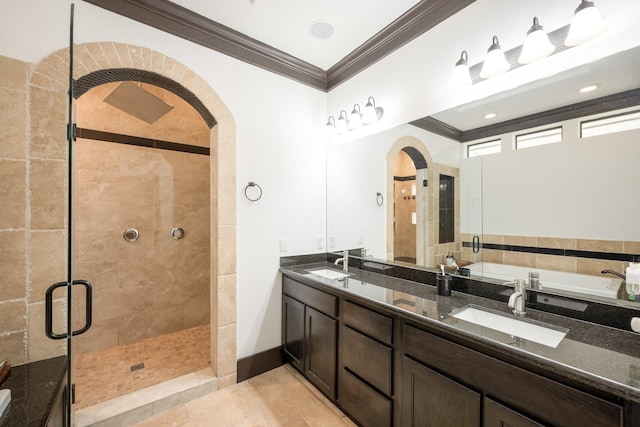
(597,357)
(34,387)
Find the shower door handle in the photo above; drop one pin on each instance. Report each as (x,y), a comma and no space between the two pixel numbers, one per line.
(48,318)
(476,244)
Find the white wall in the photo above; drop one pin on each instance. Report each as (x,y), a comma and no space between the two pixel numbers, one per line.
(356,171)
(578,188)
(277,144)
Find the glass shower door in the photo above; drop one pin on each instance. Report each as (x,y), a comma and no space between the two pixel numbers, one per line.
(65,290)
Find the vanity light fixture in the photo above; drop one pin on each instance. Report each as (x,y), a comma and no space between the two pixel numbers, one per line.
(371,112)
(537,45)
(460,77)
(330,127)
(355,119)
(495,63)
(587,24)
(341,124)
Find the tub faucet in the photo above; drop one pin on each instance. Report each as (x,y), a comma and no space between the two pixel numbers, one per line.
(615,273)
(518,297)
(344,260)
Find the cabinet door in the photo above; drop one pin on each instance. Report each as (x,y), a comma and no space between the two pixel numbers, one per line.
(293,331)
(432,400)
(320,357)
(497,415)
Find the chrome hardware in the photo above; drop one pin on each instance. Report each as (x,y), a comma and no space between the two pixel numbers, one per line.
(344,260)
(177,233)
(518,297)
(131,234)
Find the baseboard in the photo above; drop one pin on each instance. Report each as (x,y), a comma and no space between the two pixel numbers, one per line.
(259,363)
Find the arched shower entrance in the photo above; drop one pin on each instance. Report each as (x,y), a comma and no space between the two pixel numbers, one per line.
(100,61)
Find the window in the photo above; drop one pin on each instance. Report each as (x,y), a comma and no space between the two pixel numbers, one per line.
(484,148)
(611,124)
(447,217)
(542,137)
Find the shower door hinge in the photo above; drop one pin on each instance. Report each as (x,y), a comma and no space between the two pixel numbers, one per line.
(73,393)
(72,132)
(425,183)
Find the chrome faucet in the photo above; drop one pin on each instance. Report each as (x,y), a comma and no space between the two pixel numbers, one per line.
(518,297)
(344,260)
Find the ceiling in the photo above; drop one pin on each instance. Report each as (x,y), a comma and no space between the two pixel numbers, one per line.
(275,35)
(284,24)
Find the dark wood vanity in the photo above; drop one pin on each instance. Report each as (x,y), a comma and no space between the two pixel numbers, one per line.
(384,366)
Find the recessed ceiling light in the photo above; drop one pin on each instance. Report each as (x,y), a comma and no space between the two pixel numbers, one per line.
(321,29)
(589,88)
(490,115)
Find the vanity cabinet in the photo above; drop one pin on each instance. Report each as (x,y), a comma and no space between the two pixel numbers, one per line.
(310,333)
(517,398)
(385,369)
(430,399)
(365,376)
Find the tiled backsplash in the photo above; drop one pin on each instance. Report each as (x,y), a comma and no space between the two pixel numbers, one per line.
(571,255)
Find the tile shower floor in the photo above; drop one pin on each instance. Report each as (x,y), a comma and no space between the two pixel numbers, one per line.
(280,397)
(113,372)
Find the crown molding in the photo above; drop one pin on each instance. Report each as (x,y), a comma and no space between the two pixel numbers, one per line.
(186,24)
(617,101)
(439,128)
(630,98)
(416,21)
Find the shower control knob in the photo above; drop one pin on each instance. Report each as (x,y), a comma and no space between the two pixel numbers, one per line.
(177,233)
(131,235)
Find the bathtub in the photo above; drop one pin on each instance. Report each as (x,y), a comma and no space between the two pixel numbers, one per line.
(551,280)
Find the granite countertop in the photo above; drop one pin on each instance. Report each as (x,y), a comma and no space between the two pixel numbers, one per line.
(600,357)
(34,387)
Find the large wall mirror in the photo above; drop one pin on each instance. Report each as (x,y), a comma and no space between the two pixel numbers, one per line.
(569,207)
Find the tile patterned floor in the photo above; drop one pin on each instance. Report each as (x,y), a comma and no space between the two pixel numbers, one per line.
(106,374)
(281,397)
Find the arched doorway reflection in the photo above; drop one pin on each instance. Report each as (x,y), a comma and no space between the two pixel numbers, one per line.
(408,217)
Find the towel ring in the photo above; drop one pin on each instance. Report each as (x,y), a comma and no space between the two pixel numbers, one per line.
(252,184)
(379,199)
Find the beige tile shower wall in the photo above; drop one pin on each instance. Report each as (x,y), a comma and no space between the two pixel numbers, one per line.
(405,230)
(32,217)
(554,262)
(157,284)
(404,205)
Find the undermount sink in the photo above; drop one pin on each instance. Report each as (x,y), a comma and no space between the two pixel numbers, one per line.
(329,273)
(530,330)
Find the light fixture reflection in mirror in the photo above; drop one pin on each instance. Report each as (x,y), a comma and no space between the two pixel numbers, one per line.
(371,112)
(341,124)
(357,119)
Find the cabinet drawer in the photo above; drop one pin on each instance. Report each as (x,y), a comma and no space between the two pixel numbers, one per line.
(549,400)
(366,405)
(368,322)
(321,301)
(371,360)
